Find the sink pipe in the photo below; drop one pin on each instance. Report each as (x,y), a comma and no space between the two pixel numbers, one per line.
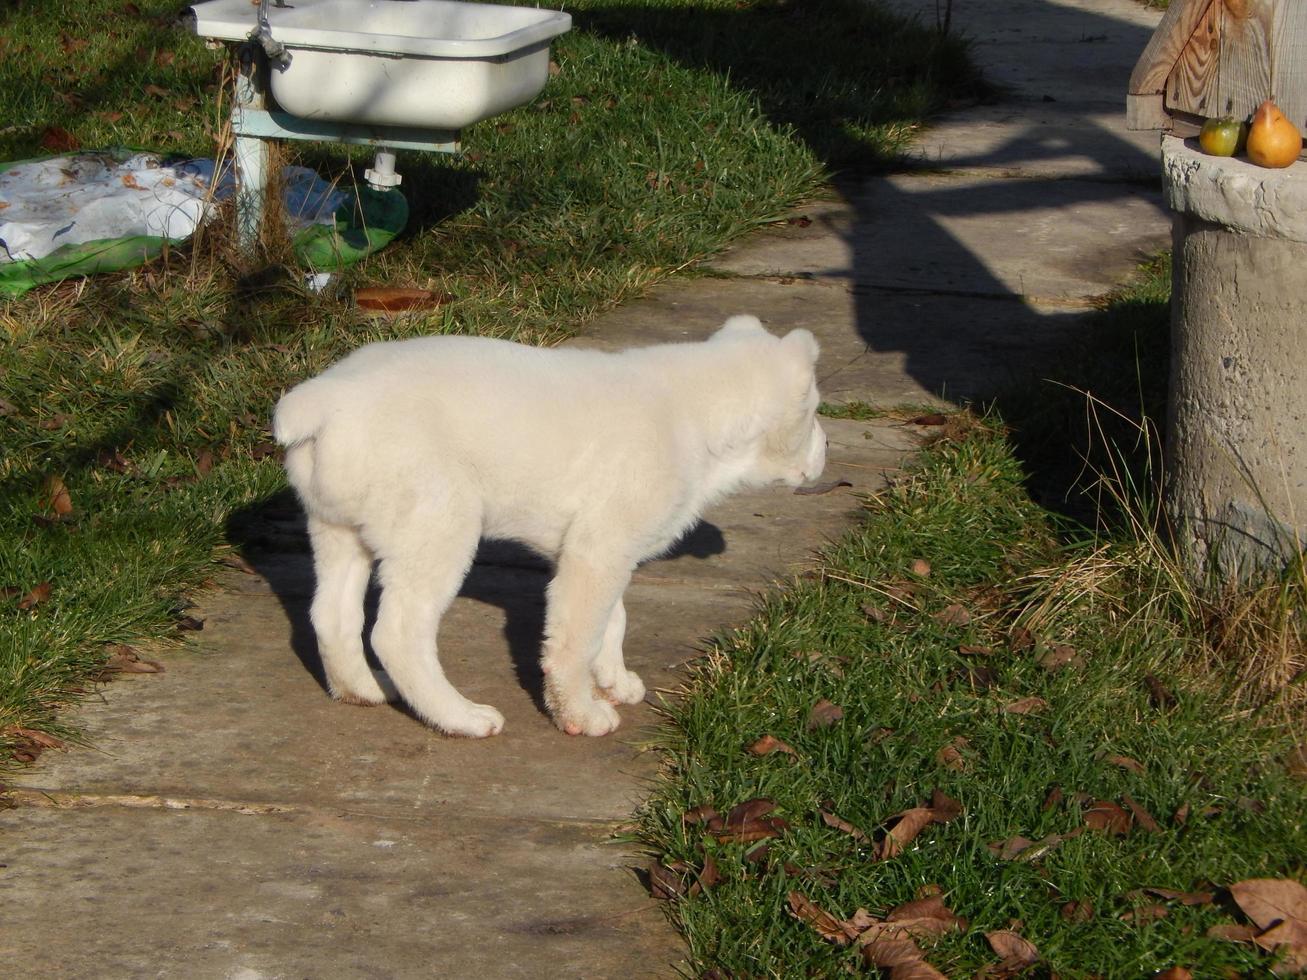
(278,57)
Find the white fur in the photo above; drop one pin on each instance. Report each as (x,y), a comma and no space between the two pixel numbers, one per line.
(411,451)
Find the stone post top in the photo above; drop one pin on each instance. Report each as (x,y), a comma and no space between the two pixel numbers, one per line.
(1232,192)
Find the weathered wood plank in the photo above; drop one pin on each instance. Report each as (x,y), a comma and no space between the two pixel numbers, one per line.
(1163,49)
(1194,76)
(1244,72)
(1289,62)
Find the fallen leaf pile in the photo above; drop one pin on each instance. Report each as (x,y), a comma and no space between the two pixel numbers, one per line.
(124,659)
(28,743)
(891,942)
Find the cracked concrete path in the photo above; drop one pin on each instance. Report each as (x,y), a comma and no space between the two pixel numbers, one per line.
(230,821)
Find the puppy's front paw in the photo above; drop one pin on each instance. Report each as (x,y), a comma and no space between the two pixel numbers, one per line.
(473,721)
(622,687)
(588,717)
(364,691)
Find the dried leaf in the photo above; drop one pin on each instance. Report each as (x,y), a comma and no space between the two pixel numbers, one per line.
(1174,973)
(934,418)
(1107,815)
(752,830)
(747,822)
(1053,798)
(1158,693)
(1181,815)
(125,660)
(1025,706)
(190,623)
(35,597)
(1233,932)
(838,823)
(1184,898)
(920,568)
(901,958)
(950,756)
(952,615)
(1060,655)
(1145,913)
(700,814)
(239,563)
(664,883)
(397,299)
(710,875)
(204,462)
(1295,761)
(971,650)
(1078,911)
(1288,941)
(57,497)
(32,735)
(926,916)
(827,925)
(769,744)
(980,678)
(874,612)
(56,139)
(943,807)
(1272,901)
(158,91)
(1009,849)
(1016,951)
(1020,639)
(1127,763)
(1142,816)
(907,825)
(753,809)
(824,714)
(819,488)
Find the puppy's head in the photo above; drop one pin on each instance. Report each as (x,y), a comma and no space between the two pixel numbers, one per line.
(791,446)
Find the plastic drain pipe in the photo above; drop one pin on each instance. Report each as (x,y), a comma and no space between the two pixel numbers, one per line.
(381,175)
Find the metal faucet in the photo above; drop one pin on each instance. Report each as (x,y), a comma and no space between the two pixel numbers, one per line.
(277,54)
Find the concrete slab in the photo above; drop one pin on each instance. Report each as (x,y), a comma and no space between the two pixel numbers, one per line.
(1041,240)
(882,347)
(1063,67)
(203,893)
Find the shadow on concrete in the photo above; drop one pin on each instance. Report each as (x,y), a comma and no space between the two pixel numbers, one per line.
(272,538)
(995,334)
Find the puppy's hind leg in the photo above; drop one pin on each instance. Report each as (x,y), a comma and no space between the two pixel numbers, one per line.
(342,566)
(422,568)
(619,685)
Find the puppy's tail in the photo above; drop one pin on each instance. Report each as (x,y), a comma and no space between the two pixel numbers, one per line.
(301,413)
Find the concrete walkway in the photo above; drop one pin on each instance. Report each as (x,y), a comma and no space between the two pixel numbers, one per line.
(232,821)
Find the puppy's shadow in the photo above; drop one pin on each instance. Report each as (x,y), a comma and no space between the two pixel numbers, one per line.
(272,538)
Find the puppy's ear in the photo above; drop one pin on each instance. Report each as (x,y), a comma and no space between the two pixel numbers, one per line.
(803,343)
(742,325)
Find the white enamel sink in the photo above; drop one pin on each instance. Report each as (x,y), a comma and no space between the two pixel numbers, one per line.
(434,64)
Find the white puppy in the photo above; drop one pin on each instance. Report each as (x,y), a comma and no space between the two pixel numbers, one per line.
(411,451)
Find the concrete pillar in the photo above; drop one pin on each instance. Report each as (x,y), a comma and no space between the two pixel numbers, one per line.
(1237,418)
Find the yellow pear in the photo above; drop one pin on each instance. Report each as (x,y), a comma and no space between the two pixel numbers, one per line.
(1273,141)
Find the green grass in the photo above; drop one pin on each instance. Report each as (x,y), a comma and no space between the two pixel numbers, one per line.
(668,130)
(1046,525)
(907,692)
